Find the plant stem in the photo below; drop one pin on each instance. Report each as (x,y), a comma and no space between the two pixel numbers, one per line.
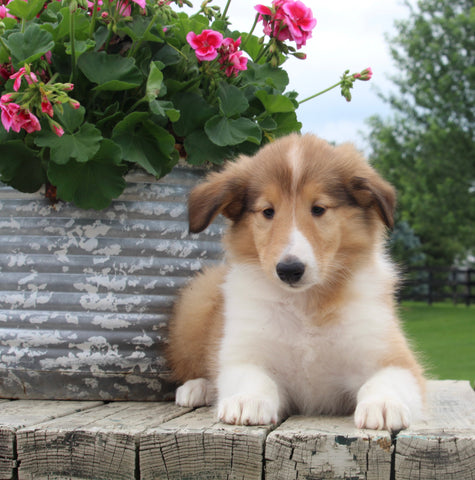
(320,93)
(133,50)
(225,11)
(93,19)
(4,45)
(72,78)
(262,53)
(250,32)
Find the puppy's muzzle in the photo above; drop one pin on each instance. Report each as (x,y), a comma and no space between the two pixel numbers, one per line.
(290,272)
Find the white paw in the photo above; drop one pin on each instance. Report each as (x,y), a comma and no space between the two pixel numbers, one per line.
(247,410)
(382,413)
(194,393)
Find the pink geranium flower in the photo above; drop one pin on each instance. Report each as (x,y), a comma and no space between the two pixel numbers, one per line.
(29,77)
(16,118)
(205,44)
(231,58)
(46,106)
(287,20)
(28,121)
(9,112)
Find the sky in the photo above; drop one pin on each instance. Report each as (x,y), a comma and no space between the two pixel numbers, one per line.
(349,35)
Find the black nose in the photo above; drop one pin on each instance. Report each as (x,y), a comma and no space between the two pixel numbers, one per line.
(290,272)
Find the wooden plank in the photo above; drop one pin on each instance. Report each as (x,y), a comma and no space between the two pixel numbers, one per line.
(196,446)
(443,445)
(17,414)
(96,444)
(327,448)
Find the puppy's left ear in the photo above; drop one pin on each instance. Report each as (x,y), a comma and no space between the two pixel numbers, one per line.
(374,192)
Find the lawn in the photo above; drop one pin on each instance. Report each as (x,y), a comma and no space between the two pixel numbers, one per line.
(444,335)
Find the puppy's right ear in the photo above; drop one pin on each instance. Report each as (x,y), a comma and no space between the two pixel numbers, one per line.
(223,192)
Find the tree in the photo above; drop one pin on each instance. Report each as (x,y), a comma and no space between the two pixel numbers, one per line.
(427,148)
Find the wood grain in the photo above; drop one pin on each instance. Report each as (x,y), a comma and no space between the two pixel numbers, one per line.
(18,414)
(101,443)
(197,446)
(442,446)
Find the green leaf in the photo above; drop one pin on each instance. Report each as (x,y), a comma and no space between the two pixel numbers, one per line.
(137,29)
(232,100)
(68,117)
(29,46)
(251,45)
(168,56)
(286,123)
(164,108)
(200,149)
(225,131)
(80,46)
(265,74)
(194,111)
(20,167)
(81,145)
(93,184)
(154,82)
(110,72)
(268,123)
(25,10)
(146,144)
(81,25)
(275,103)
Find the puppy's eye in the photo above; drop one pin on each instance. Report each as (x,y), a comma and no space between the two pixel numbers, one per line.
(318,211)
(268,213)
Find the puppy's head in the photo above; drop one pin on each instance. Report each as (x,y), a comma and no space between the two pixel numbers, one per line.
(304,211)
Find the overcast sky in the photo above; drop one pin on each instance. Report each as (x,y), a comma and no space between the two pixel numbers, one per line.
(349,35)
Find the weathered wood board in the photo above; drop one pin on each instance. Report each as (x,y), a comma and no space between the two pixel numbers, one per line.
(101,443)
(327,448)
(442,446)
(18,414)
(147,441)
(196,446)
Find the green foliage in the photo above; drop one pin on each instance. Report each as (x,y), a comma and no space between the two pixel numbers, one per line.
(87,94)
(427,150)
(143,92)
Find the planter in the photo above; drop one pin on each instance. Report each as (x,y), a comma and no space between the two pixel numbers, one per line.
(86,296)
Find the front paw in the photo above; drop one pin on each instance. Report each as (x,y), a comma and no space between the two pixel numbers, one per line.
(194,393)
(248,410)
(382,413)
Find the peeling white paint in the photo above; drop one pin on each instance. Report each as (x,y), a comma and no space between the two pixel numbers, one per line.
(109,322)
(71,318)
(143,340)
(111,250)
(85,280)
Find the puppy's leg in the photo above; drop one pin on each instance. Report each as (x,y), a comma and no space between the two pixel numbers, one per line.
(391,399)
(195,393)
(247,395)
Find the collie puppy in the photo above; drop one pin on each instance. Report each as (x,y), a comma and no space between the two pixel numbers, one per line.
(301,317)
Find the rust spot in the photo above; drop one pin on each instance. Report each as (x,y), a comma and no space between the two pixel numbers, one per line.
(384,443)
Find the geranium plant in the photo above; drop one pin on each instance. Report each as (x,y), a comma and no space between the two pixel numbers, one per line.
(90,89)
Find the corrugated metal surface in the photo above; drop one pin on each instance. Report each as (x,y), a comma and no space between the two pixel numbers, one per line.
(85,296)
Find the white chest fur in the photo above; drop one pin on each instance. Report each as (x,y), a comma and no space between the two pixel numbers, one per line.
(315,367)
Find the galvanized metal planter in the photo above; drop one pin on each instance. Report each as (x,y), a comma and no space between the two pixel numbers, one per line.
(85,296)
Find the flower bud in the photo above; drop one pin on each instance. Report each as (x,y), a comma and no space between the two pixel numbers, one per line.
(365,75)
(300,55)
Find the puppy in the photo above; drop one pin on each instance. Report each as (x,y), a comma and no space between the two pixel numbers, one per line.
(301,317)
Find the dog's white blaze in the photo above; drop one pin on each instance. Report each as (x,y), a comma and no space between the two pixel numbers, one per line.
(300,249)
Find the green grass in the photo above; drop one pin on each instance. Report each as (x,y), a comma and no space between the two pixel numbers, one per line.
(444,335)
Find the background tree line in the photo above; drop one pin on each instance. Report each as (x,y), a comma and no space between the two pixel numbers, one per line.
(427,147)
